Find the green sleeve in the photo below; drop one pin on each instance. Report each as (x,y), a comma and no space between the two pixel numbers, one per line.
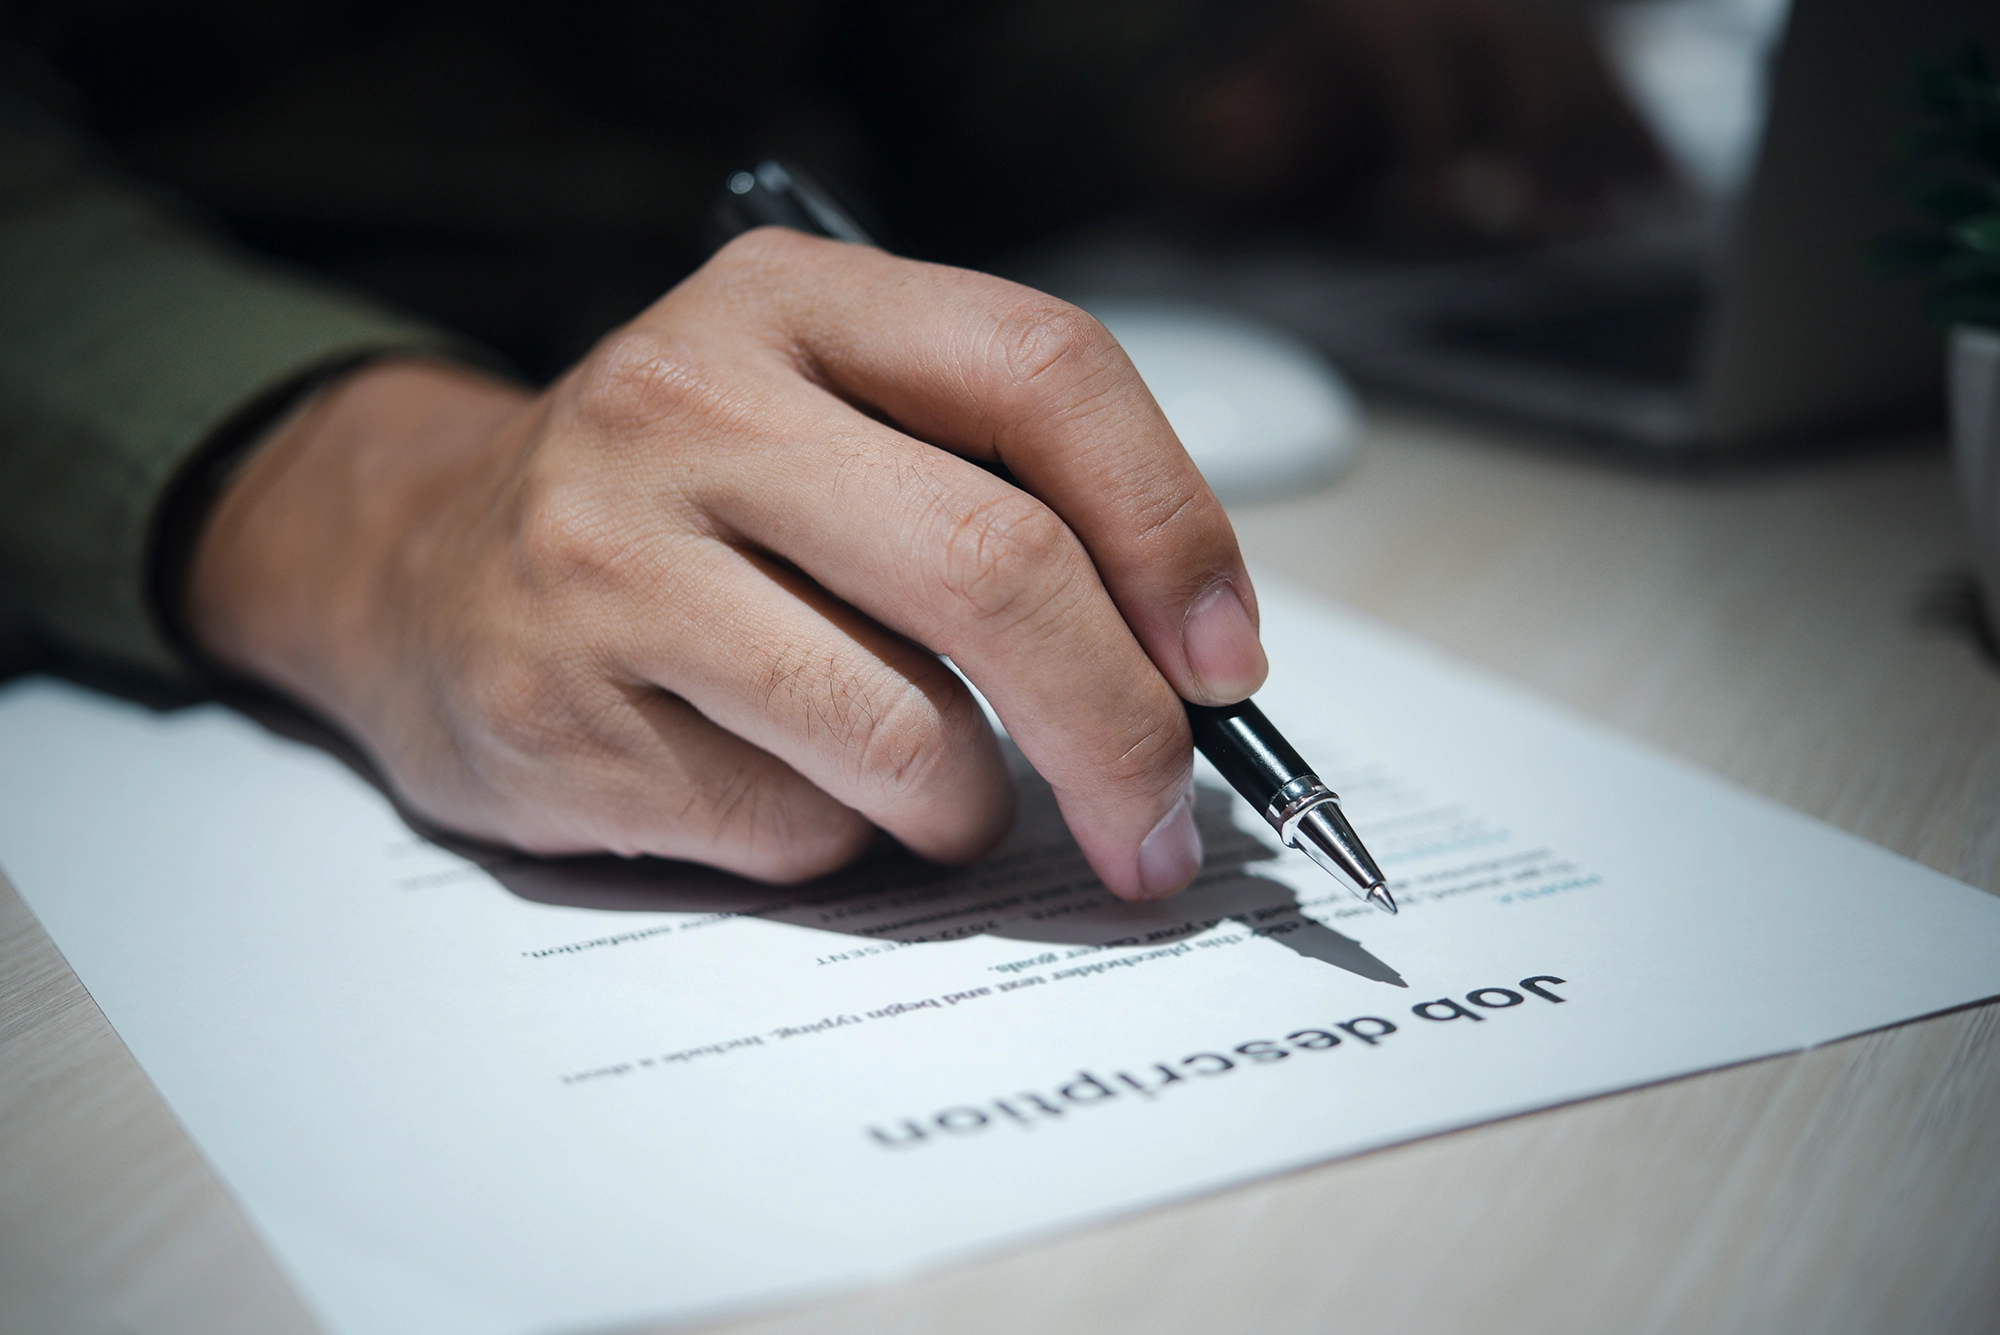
(127,337)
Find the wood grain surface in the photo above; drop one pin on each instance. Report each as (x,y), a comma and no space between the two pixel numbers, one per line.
(1788,629)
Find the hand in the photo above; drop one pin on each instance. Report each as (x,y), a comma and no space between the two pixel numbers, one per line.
(687,602)
(1496,118)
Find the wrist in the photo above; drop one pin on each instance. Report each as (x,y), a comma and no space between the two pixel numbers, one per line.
(299,554)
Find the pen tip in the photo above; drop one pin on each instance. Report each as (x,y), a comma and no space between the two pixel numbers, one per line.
(1323,834)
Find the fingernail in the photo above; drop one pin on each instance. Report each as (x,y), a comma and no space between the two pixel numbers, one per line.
(1171,854)
(1222,645)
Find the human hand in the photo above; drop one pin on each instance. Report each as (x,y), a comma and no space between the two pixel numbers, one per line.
(1496,118)
(687,602)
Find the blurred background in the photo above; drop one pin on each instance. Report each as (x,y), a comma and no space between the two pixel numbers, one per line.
(1545,208)
(532,175)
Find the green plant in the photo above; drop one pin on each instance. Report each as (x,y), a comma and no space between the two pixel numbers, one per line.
(1951,177)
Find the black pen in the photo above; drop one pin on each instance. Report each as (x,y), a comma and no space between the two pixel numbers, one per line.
(1237,739)
(1260,764)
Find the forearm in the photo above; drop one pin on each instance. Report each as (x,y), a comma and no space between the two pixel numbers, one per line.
(127,340)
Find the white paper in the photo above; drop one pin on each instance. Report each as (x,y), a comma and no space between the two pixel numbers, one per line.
(520,1097)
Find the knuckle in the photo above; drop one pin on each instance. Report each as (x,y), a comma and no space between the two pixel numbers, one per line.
(640,377)
(897,736)
(891,730)
(1155,753)
(1010,560)
(520,710)
(1044,345)
(1182,516)
(758,251)
(566,529)
(771,830)
(555,530)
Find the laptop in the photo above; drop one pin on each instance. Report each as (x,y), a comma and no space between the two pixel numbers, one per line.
(1743,321)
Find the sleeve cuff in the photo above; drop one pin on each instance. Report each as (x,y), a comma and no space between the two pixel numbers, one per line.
(126,345)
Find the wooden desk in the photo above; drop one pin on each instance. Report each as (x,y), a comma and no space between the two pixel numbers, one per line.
(1765,627)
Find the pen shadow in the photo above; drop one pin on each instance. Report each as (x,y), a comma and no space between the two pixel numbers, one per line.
(1035,887)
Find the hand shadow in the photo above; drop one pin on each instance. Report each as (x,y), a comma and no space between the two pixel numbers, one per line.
(1036,887)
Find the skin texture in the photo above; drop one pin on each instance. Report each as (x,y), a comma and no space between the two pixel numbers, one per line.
(688,602)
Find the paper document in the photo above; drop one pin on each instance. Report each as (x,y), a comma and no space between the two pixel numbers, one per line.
(489,1094)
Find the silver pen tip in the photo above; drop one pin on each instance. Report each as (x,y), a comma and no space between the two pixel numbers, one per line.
(1323,834)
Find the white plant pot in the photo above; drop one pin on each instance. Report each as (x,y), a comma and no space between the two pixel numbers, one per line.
(1975,447)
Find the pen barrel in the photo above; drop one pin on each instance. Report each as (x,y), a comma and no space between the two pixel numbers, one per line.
(1246,750)
(779,194)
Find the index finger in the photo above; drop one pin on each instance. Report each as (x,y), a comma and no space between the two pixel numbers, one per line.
(1000,373)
